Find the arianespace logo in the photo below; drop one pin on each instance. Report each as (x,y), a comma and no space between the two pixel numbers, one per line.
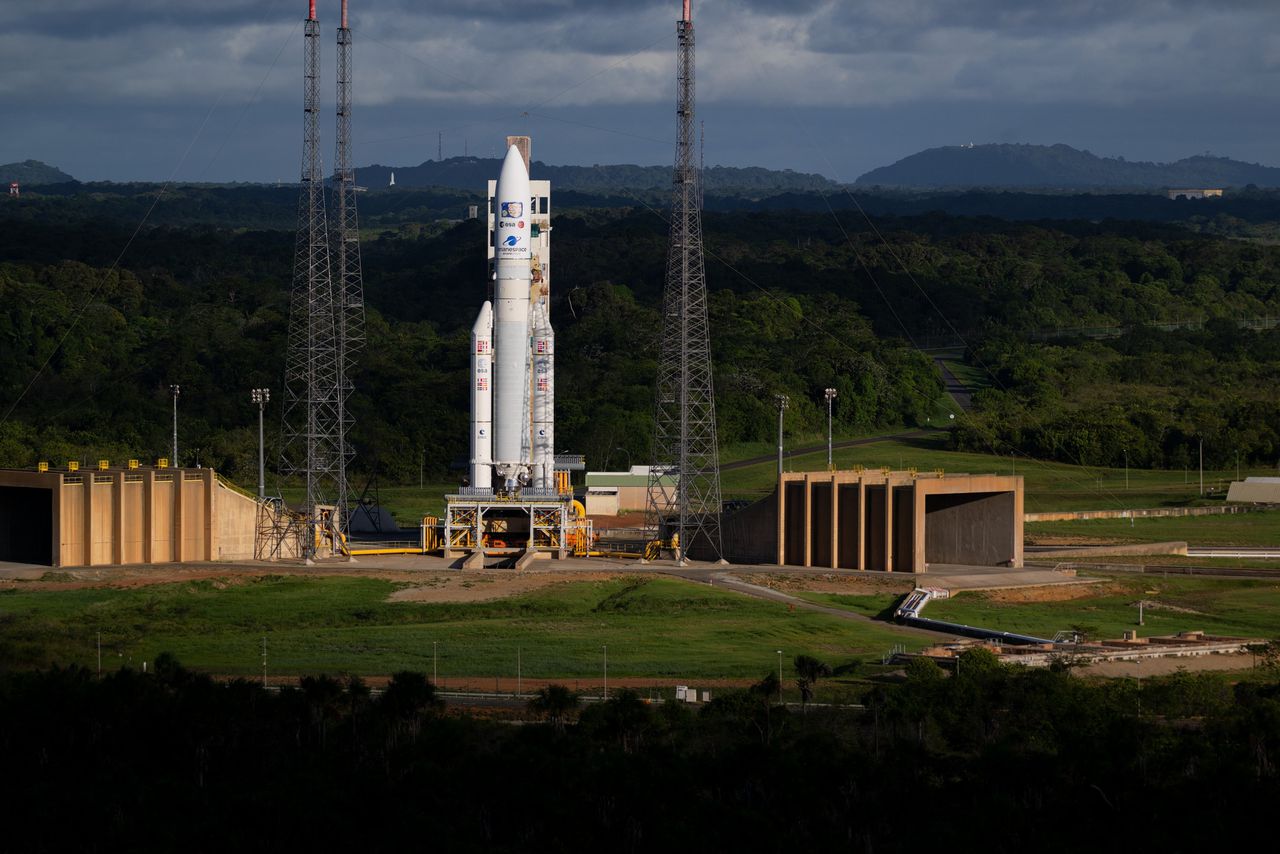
(513,209)
(512,240)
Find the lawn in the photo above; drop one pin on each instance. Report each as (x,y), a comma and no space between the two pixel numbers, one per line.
(1049,485)
(1246,529)
(654,627)
(1245,608)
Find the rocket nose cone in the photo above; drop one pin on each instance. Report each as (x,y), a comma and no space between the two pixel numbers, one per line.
(484,320)
(513,166)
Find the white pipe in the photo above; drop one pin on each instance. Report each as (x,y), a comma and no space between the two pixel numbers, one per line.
(482,399)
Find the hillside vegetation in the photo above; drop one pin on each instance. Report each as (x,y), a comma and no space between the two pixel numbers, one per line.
(799,302)
(1048,166)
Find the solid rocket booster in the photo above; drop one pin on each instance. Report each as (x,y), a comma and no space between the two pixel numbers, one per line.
(511,250)
(544,425)
(482,399)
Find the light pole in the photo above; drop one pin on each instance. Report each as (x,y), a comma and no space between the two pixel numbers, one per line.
(628,453)
(261,396)
(605,647)
(435,673)
(1126,467)
(175,391)
(783,403)
(779,676)
(830,395)
(1201,466)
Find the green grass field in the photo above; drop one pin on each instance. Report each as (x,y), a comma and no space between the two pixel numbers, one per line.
(1246,529)
(1245,608)
(654,627)
(1248,608)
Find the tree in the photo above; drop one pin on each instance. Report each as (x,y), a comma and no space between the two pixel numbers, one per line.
(555,704)
(810,670)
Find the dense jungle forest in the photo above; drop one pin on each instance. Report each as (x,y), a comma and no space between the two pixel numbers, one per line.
(799,301)
(997,759)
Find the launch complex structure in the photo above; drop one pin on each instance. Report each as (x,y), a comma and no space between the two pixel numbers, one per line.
(326,328)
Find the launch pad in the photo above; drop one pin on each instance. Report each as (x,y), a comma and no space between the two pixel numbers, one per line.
(544,521)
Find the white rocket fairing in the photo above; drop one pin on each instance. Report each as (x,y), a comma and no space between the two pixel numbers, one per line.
(542,351)
(511,315)
(482,399)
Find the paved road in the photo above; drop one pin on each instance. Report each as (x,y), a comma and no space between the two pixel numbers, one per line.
(959,391)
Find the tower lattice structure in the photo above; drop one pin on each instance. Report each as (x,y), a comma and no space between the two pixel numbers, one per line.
(348,281)
(312,446)
(684,437)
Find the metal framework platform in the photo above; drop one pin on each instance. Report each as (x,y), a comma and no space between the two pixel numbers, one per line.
(534,520)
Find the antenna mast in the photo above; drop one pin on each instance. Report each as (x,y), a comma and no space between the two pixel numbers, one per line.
(312,420)
(684,439)
(348,276)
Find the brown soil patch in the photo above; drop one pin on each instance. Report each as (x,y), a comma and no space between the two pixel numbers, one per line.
(1075,540)
(1167,666)
(1053,592)
(851,585)
(485,586)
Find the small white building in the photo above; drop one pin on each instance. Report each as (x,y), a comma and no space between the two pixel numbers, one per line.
(1199,193)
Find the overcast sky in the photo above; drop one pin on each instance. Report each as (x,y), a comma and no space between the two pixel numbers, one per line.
(146,89)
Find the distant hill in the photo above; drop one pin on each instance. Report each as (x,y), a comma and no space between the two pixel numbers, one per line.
(472,173)
(33,172)
(1060,167)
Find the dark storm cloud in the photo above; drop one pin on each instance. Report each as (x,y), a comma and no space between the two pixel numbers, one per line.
(122,83)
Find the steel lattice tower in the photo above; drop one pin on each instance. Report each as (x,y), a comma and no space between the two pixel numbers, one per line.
(684,436)
(312,442)
(348,281)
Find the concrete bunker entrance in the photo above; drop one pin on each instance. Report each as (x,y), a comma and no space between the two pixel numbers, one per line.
(972,528)
(26,525)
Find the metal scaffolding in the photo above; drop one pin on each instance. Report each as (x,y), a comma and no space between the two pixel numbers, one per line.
(684,439)
(348,280)
(313,423)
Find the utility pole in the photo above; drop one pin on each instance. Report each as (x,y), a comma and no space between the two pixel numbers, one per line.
(783,402)
(264,661)
(175,391)
(435,675)
(99,655)
(1126,467)
(779,676)
(261,396)
(830,395)
(1202,467)
(519,684)
(605,647)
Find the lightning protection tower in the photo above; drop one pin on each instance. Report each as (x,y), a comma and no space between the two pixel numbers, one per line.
(348,281)
(684,436)
(312,447)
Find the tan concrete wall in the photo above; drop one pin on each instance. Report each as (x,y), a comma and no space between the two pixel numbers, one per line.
(71,550)
(103,526)
(114,516)
(134,524)
(877,520)
(162,550)
(194,510)
(236,517)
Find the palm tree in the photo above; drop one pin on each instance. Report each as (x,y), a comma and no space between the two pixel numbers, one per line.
(810,670)
(554,704)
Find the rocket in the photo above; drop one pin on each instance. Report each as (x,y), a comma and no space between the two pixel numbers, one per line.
(512,370)
(482,399)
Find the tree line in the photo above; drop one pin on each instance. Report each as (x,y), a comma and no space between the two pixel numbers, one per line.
(991,757)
